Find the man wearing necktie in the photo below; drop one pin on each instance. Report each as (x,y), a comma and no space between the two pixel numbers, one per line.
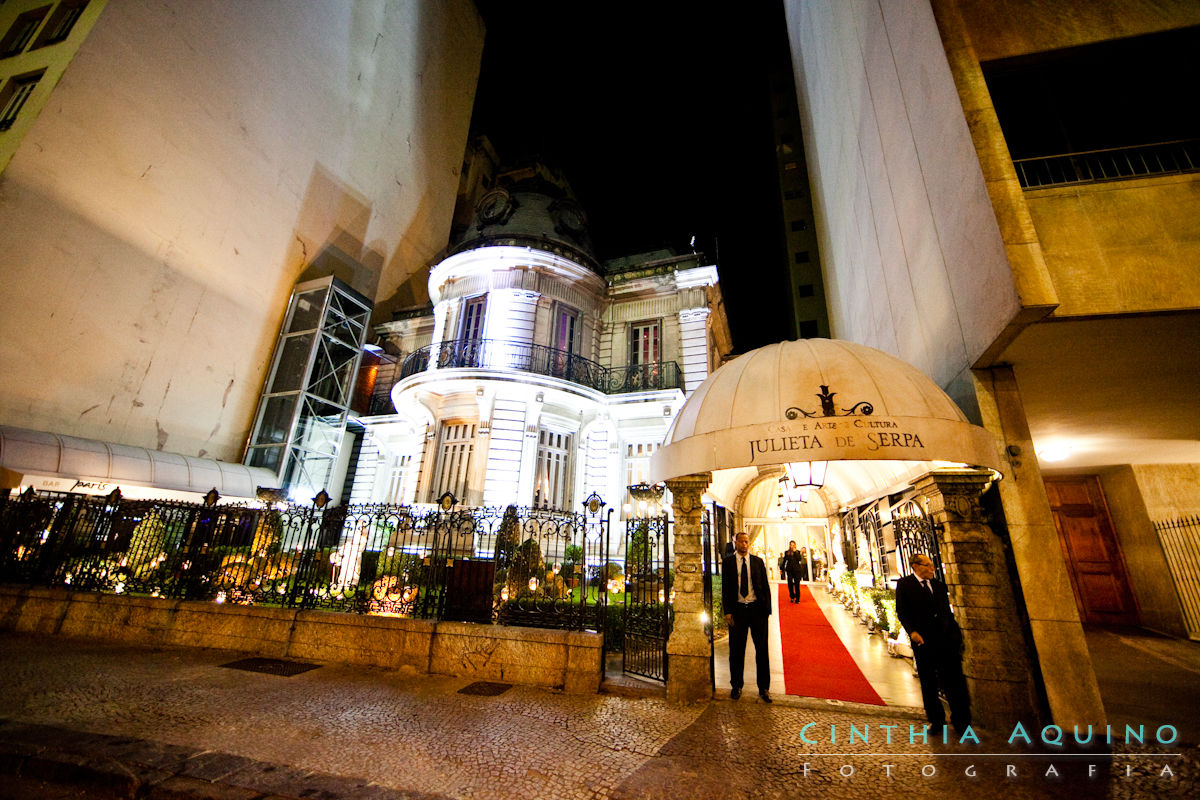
(746,596)
(923,606)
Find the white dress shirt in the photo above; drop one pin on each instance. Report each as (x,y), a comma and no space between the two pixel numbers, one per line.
(750,597)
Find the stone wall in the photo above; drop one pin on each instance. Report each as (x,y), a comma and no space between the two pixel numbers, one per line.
(568,660)
(1120,246)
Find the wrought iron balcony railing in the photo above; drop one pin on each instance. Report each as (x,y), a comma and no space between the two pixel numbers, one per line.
(1165,158)
(541,360)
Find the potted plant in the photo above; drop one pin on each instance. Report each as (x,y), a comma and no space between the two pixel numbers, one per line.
(571,560)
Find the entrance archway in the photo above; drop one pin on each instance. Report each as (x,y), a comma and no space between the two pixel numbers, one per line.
(883,428)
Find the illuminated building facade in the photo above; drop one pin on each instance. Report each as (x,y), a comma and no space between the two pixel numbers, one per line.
(1006,198)
(539,375)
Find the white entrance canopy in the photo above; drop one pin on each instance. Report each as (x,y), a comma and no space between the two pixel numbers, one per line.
(821,400)
(53,462)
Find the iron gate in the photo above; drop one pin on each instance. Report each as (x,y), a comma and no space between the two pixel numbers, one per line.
(647,596)
(914,534)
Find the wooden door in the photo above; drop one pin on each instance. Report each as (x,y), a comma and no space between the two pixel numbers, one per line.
(1090,547)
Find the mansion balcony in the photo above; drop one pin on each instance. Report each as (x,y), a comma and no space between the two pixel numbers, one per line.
(497,354)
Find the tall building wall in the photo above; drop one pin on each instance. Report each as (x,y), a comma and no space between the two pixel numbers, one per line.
(197,159)
(912,254)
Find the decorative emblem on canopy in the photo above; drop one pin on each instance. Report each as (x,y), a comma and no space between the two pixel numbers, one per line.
(829,409)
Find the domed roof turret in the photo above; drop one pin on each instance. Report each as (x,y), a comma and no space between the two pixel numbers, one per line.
(531,206)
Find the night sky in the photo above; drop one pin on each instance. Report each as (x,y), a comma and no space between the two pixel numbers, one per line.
(658,113)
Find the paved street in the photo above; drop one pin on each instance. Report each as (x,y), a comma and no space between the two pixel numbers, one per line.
(128,722)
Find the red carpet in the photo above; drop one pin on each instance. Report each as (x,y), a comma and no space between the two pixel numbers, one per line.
(815,662)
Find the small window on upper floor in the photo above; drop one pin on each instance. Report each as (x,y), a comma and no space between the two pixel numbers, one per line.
(471,327)
(21,32)
(61,22)
(802,257)
(566,329)
(799,224)
(13,96)
(645,343)
(809,329)
(805,290)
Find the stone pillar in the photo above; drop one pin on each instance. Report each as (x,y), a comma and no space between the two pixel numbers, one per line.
(688,648)
(996,662)
(1064,663)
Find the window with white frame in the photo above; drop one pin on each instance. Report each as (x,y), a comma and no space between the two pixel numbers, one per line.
(645,356)
(454,460)
(565,341)
(397,477)
(566,329)
(645,343)
(553,487)
(472,319)
(637,464)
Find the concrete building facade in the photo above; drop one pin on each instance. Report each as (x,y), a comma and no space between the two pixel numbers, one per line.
(156,214)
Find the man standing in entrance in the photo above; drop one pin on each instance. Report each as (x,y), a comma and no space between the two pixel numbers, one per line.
(923,606)
(746,596)
(793,567)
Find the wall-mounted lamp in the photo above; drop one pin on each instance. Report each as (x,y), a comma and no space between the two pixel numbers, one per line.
(1053,452)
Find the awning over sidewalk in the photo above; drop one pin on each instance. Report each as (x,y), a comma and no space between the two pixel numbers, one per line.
(819,400)
(54,462)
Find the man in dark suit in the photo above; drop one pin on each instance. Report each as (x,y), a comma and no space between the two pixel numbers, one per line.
(793,569)
(746,597)
(923,606)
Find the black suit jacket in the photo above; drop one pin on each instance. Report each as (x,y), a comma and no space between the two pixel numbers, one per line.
(758,579)
(927,613)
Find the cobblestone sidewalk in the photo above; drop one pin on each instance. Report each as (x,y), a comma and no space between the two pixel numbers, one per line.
(177,723)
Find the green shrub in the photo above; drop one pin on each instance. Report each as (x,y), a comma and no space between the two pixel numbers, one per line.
(369,567)
(718,620)
(614,628)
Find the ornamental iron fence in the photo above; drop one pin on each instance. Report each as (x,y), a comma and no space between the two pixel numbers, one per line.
(648,596)
(542,360)
(512,566)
